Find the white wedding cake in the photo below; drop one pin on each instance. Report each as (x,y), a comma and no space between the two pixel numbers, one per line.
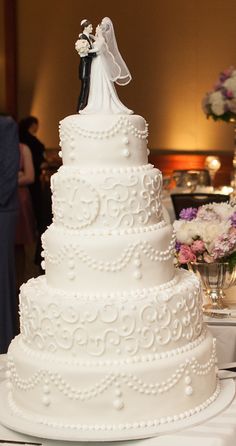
(112,337)
(112,341)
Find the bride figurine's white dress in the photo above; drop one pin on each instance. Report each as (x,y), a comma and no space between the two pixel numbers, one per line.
(107,67)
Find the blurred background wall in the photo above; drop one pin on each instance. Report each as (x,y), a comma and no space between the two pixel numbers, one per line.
(174,49)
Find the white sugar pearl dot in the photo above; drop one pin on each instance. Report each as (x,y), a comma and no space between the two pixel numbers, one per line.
(60,154)
(125,140)
(71,264)
(118,404)
(126,153)
(43,264)
(137,262)
(71,275)
(46,400)
(137,275)
(148,152)
(46,389)
(187,380)
(188,390)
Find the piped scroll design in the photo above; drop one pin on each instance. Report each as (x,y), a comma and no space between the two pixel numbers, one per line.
(114,202)
(111,328)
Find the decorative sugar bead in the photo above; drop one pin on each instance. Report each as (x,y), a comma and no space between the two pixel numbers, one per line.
(43,264)
(8,374)
(46,389)
(71,264)
(46,400)
(148,152)
(71,275)
(188,390)
(137,274)
(118,392)
(126,153)
(60,153)
(187,379)
(125,140)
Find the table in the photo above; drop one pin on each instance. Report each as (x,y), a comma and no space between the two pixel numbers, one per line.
(225,333)
(219,431)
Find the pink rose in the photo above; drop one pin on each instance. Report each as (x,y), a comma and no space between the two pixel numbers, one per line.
(186,255)
(198,247)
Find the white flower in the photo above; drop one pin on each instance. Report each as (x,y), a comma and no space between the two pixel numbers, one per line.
(230,84)
(232,105)
(215,211)
(209,231)
(217,103)
(186,231)
(224,210)
(82,47)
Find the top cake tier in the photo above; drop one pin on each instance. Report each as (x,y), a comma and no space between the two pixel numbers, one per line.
(104,140)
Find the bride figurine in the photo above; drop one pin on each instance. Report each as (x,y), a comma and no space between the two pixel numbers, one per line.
(108,67)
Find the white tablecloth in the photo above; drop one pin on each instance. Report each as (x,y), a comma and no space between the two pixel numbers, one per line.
(219,431)
(225,333)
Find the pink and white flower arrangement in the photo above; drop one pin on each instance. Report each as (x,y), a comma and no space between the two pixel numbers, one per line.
(220,103)
(206,234)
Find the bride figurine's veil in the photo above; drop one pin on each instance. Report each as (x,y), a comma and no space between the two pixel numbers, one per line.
(118,69)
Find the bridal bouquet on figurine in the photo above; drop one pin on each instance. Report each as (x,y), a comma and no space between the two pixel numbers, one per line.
(82,47)
(206,234)
(220,103)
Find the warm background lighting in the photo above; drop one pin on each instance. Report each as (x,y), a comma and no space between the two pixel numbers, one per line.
(212,163)
(174,51)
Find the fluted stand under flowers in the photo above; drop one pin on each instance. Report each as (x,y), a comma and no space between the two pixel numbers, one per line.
(215,278)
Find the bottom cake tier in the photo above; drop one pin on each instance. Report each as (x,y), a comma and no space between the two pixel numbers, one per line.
(122,395)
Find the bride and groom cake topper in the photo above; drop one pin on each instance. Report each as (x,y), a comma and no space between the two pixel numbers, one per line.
(101,64)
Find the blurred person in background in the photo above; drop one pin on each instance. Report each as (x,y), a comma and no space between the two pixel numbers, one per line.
(9,167)
(28,128)
(26,227)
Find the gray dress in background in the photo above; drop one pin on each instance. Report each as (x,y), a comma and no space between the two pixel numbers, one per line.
(9,166)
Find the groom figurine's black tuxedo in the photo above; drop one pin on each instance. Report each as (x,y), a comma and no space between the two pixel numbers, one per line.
(84,72)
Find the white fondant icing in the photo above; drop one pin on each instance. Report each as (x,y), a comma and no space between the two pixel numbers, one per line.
(106,200)
(73,327)
(112,333)
(81,389)
(99,140)
(108,262)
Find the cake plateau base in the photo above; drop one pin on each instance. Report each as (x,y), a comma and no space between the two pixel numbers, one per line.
(12,421)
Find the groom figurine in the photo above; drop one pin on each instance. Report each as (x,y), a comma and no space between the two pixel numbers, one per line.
(85,63)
